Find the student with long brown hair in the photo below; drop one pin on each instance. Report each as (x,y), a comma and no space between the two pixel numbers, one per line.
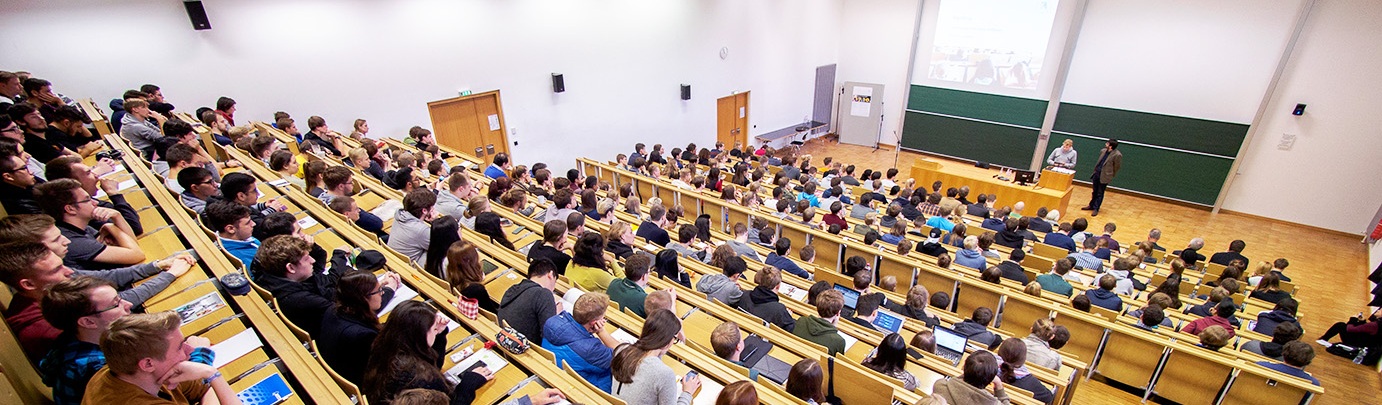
(640,376)
(464,274)
(738,393)
(1014,371)
(404,356)
(349,329)
(805,381)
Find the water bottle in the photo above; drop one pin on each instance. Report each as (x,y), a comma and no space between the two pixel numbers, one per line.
(1361,354)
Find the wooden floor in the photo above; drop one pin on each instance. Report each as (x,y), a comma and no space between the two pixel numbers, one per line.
(1332,276)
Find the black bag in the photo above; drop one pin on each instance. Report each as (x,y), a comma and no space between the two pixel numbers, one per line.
(830,397)
(1343,350)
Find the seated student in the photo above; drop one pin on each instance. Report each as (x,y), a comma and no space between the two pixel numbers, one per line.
(861,209)
(1009,235)
(1122,271)
(619,239)
(1235,251)
(405,355)
(499,166)
(1060,237)
(179,158)
(1163,303)
(992,274)
(1284,333)
(71,167)
(243,189)
(219,127)
(30,268)
(806,382)
(526,306)
(665,265)
(346,205)
(1104,296)
(1085,258)
(970,256)
(141,352)
(198,187)
(1056,281)
(890,359)
(896,234)
(976,328)
(685,234)
(1296,355)
(932,246)
(820,328)
(1012,268)
(1269,289)
(285,267)
(630,292)
(740,243)
(1013,370)
(915,307)
(453,200)
(1222,312)
(728,343)
(651,229)
(319,136)
(83,307)
(232,224)
(978,383)
(779,259)
(412,231)
(1214,337)
(286,165)
(1283,312)
(348,329)
(551,248)
(1191,255)
(465,274)
(579,339)
(762,301)
(138,128)
(1101,249)
(1149,317)
(112,245)
(17,184)
(1357,332)
(724,287)
(1039,344)
(640,376)
(339,182)
(66,129)
(866,310)
(589,269)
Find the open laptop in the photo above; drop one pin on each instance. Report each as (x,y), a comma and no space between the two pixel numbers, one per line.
(887,320)
(949,344)
(851,296)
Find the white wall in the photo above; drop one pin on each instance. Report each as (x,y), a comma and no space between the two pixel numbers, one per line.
(875,45)
(622,59)
(1329,178)
(1210,60)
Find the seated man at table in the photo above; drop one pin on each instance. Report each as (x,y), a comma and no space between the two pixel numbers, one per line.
(83,308)
(1061,237)
(976,328)
(346,205)
(30,268)
(71,167)
(820,328)
(112,245)
(1085,258)
(631,291)
(243,189)
(1235,251)
(980,206)
(1104,296)
(148,362)
(580,339)
(153,277)
(17,183)
(651,229)
(526,306)
(728,344)
(1297,355)
(284,266)
(780,260)
(233,226)
(412,227)
(198,187)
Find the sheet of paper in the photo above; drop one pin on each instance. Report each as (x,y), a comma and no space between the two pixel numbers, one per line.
(569,299)
(235,347)
(127,184)
(623,336)
(386,211)
(710,391)
(451,325)
(278,183)
(403,293)
(118,168)
(494,122)
(793,292)
(202,306)
(849,340)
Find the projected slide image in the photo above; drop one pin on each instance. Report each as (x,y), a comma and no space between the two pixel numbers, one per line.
(992,42)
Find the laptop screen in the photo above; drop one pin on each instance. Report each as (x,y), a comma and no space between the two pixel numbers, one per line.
(888,320)
(949,339)
(851,296)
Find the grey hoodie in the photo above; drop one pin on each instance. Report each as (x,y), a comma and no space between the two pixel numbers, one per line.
(957,391)
(410,237)
(1124,286)
(720,287)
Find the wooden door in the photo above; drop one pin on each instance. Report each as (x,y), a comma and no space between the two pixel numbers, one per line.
(472,124)
(732,119)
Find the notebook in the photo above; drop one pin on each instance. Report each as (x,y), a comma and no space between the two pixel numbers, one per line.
(888,320)
(851,296)
(270,390)
(949,344)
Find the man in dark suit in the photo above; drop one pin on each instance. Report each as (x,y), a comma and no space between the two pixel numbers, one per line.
(979,207)
(1012,268)
(1110,160)
(1235,251)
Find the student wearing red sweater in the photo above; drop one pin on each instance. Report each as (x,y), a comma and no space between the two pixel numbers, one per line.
(1357,332)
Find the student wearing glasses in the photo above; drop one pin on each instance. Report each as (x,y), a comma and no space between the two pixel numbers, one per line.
(17,182)
(348,329)
(101,238)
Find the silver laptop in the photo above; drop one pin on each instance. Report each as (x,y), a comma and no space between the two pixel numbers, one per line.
(888,321)
(949,344)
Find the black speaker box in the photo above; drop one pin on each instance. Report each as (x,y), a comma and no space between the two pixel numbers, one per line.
(685,92)
(558,83)
(981,165)
(197,14)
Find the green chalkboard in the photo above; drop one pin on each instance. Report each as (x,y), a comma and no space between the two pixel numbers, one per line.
(998,144)
(1212,137)
(1179,175)
(981,106)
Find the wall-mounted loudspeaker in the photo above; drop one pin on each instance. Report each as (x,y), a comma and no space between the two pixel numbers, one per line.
(558,83)
(197,14)
(685,92)
(1300,110)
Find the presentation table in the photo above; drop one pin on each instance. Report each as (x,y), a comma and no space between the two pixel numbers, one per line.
(1052,191)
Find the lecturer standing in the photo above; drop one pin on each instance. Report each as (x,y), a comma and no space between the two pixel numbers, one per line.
(1110,160)
(1064,156)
